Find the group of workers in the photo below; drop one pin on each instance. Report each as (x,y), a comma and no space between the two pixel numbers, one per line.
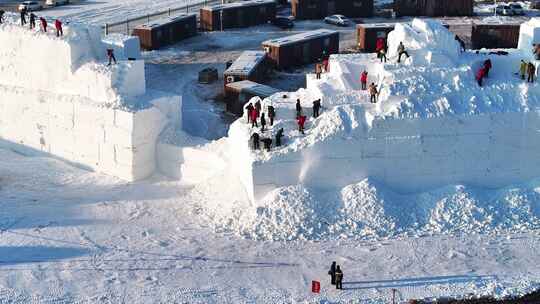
(43,22)
(527,68)
(372,89)
(43,27)
(336,275)
(381,49)
(256,115)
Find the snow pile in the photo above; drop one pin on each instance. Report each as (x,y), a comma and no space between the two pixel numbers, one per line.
(428,40)
(369,209)
(529,34)
(72,64)
(64,101)
(432,125)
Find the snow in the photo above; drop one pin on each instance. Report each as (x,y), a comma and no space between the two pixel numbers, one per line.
(417,137)
(73,236)
(124,47)
(238,4)
(298,37)
(246,63)
(65,102)
(431,193)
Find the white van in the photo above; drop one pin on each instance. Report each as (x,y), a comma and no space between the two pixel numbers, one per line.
(56,2)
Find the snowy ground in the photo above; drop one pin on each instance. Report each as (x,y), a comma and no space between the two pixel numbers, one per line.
(71,236)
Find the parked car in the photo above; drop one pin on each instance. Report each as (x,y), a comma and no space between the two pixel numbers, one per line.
(56,2)
(283,22)
(517,9)
(337,20)
(30,6)
(504,10)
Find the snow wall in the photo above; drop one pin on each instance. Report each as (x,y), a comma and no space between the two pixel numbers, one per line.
(57,96)
(72,64)
(433,125)
(489,150)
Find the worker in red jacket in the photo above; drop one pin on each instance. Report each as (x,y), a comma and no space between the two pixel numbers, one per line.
(254,116)
(58,26)
(43,24)
(487,67)
(480,75)
(301,122)
(379,45)
(363,80)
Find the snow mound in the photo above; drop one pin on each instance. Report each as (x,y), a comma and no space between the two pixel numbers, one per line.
(428,40)
(369,209)
(73,64)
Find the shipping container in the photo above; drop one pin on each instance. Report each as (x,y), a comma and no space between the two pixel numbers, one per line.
(433,8)
(166,31)
(318,9)
(237,14)
(303,48)
(237,94)
(495,35)
(367,35)
(251,65)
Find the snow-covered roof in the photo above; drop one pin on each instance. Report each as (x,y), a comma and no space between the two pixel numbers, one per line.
(246,63)
(253,87)
(167,20)
(237,4)
(376,25)
(299,37)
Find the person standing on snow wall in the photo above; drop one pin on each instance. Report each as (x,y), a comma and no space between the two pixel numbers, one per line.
(58,26)
(522,69)
(298,108)
(32,20)
(316,108)
(279,135)
(254,116)
(255,141)
(332,273)
(110,55)
(249,109)
(373,93)
(380,44)
(531,71)
(271,114)
(263,122)
(2,12)
(401,50)
(480,75)
(24,12)
(301,122)
(43,24)
(339,278)
(363,80)
(487,67)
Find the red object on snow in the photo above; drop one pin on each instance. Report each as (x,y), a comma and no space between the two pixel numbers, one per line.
(363,78)
(315,286)
(301,120)
(58,24)
(480,74)
(254,114)
(325,63)
(380,44)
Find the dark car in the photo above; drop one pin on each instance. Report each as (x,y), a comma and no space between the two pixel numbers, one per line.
(283,22)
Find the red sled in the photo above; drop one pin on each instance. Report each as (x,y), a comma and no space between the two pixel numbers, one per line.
(315,286)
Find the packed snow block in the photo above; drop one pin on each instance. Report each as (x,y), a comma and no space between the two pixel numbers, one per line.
(114,141)
(124,47)
(72,64)
(191,165)
(429,40)
(169,105)
(489,150)
(529,34)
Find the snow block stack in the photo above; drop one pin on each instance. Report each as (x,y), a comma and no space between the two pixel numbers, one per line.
(124,47)
(432,125)
(57,96)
